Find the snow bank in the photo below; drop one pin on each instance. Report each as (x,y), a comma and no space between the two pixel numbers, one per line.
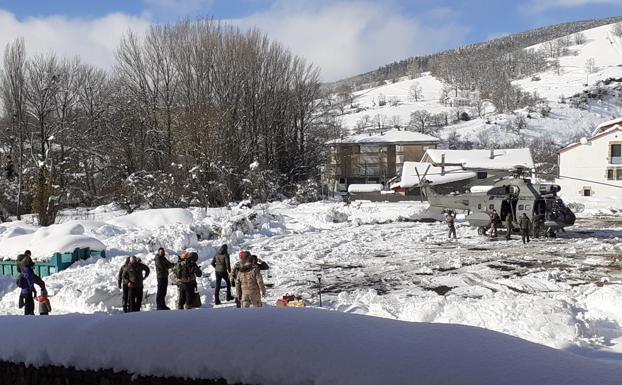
(153,218)
(298,346)
(46,241)
(365,188)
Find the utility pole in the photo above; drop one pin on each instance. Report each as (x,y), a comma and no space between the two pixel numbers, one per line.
(319,283)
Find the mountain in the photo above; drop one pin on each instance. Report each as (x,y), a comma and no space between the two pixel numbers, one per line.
(556,87)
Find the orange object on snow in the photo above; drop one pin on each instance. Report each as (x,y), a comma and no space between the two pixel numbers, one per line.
(290,300)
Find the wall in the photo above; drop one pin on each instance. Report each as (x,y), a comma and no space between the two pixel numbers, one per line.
(19,374)
(589,162)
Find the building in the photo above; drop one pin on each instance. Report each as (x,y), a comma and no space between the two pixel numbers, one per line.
(375,158)
(593,166)
(455,170)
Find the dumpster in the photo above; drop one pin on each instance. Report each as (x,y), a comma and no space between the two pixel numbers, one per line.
(58,262)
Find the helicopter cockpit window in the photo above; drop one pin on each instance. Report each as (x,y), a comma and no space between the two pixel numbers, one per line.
(479,206)
(491,207)
(521,207)
(527,207)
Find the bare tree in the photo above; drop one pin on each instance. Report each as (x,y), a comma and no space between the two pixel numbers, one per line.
(415,92)
(420,121)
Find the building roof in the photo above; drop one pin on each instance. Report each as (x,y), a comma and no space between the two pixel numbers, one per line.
(434,174)
(389,137)
(606,126)
(503,159)
(605,132)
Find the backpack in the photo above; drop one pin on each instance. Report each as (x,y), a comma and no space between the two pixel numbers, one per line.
(185,272)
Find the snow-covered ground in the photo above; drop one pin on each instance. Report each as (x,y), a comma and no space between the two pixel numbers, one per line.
(562,125)
(388,260)
(294,347)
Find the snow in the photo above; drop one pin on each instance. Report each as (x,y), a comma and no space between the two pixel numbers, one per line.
(389,136)
(431,173)
(365,188)
(608,124)
(298,346)
(503,159)
(44,242)
(153,218)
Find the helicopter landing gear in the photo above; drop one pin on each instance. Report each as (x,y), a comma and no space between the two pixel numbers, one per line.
(551,234)
(481,230)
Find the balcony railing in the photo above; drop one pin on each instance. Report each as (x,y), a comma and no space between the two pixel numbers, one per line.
(616,160)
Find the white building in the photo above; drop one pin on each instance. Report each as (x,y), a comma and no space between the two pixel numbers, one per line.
(593,166)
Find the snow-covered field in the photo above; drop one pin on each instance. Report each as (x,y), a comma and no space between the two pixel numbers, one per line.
(380,259)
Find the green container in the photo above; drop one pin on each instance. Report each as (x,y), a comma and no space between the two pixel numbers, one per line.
(58,262)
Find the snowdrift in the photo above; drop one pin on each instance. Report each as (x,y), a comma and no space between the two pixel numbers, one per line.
(294,346)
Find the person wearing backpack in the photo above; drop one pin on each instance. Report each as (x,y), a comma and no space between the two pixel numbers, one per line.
(249,284)
(222,266)
(26,281)
(135,273)
(186,272)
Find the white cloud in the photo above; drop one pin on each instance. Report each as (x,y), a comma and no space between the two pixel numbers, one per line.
(543,5)
(94,40)
(346,39)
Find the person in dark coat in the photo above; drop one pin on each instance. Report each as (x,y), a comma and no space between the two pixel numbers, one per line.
(494,220)
(135,273)
(122,282)
(186,272)
(163,265)
(451,224)
(27,281)
(222,266)
(525,227)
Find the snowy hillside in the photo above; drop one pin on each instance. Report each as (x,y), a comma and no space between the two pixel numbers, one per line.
(567,118)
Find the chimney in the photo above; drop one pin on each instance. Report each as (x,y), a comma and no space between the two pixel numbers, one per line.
(492,153)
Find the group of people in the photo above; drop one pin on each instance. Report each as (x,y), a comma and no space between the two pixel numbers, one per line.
(26,281)
(245,275)
(524,224)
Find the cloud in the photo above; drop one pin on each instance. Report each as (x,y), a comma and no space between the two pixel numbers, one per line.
(543,5)
(348,38)
(94,40)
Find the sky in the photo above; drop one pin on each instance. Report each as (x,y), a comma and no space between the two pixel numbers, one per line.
(342,37)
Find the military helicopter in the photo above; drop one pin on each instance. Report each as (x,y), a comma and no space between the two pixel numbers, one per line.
(515,195)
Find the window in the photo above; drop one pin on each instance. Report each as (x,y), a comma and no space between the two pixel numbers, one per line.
(479,206)
(616,154)
(491,207)
(482,175)
(521,207)
(610,174)
(619,173)
(587,192)
(527,207)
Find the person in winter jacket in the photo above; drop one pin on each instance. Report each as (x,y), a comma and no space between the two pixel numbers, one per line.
(451,224)
(27,281)
(163,265)
(135,273)
(44,303)
(186,272)
(222,266)
(525,227)
(122,283)
(249,285)
(494,220)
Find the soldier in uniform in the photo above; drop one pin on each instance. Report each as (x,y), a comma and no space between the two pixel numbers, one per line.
(451,224)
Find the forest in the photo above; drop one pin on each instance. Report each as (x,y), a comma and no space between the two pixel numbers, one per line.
(193,113)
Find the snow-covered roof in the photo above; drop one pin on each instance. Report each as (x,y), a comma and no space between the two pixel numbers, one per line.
(364,188)
(502,159)
(434,174)
(606,126)
(391,136)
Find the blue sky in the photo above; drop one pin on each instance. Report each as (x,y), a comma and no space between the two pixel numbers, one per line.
(343,37)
